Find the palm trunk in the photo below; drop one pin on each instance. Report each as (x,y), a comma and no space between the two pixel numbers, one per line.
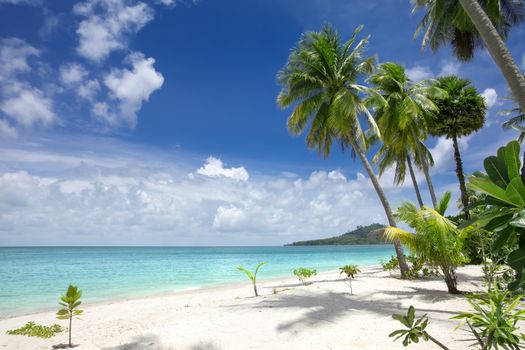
(497,49)
(414,182)
(424,163)
(461,176)
(255,289)
(403,267)
(449,275)
(70,322)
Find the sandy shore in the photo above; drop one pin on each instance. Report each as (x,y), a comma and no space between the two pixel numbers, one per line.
(322,315)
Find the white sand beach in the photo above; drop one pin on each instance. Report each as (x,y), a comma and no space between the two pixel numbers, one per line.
(322,315)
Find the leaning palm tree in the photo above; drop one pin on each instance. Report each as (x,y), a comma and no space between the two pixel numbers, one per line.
(471,24)
(461,112)
(436,240)
(320,79)
(403,119)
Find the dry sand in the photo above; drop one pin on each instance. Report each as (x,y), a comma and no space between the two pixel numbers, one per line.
(322,315)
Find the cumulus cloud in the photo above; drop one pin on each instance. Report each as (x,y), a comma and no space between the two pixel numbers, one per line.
(88,89)
(167,2)
(418,73)
(72,74)
(215,168)
(29,107)
(118,193)
(491,97)
(14,55)
(21,2)
(108,25)
(132,87)
(6,130)
(449,68)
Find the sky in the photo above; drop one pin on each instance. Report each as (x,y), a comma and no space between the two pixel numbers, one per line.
(127,122)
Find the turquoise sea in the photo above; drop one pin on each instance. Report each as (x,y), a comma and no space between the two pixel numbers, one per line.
(33,278)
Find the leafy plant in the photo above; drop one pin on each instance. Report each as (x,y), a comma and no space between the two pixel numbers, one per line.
(303,274)
(504,187)
(437,240)
(390,265)
(32,329)
(494,322)
(415,329)
(70,302)
(252,277)
(350,271)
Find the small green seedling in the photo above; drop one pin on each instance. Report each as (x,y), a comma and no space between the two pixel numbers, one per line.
(70,302)
(31,329)
(252,277)
(303,274)
(350,271)
(415,329)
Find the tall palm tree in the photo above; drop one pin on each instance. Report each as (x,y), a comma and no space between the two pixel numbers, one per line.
(320,79)
(406,114)
(461,112)
(471,24)
(436,240)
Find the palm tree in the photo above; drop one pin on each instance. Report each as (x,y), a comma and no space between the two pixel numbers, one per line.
(403,119)
(468,24)
(436,240)
(320,79)
(461,112)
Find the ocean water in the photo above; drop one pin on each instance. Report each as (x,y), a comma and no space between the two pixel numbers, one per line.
(33,278)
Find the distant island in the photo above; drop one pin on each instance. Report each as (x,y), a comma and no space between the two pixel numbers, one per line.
(371,234)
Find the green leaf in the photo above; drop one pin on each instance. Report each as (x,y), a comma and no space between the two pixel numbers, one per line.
(401,319)
(503,237)
(496,170)
(516,192)
(516,259)
(512,158)
(485,185)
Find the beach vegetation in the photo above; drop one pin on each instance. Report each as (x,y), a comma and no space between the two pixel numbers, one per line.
(321,82)
(31,329)
(70,302)
(436,240)
(462,112)
(252,277)
(303,274)
(350,271)
(503,185)
(415,329)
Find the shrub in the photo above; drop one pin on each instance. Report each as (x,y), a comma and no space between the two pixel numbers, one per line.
(303,274)
(32,329)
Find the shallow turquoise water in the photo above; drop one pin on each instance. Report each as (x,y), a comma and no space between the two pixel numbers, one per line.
(33,278)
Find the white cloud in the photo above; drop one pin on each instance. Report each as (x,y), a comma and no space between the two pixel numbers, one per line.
(491,97)
(167,2)
(449,68)
(443,154)
(72,74)
(107,26)
(88,89)
(229,219)
(6,130)
(29,107)
(418,73)
(21,2)
(215,168)
(133,87)
(14,55)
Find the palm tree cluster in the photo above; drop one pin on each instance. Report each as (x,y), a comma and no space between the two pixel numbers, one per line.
(334,87)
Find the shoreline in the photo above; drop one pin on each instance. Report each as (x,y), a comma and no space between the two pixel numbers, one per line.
(211,287)
(319,315)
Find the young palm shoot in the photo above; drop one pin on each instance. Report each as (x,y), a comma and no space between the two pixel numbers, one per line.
(70,302)
(350,271)
(252,277)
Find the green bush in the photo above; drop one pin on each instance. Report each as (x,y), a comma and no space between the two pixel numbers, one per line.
(303,274)
(32,329)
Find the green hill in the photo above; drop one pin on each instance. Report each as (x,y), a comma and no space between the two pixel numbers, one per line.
(370,234)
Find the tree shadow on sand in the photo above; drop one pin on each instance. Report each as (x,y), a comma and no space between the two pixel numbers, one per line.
(152,342)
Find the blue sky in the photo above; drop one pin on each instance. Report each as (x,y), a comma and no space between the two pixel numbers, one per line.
(155,122)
